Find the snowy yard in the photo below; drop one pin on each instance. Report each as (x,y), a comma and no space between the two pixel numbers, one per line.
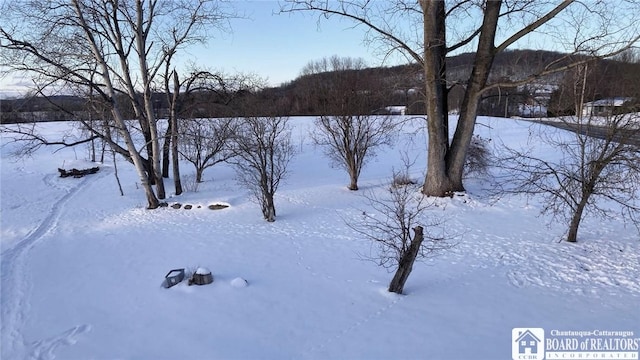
(82,266)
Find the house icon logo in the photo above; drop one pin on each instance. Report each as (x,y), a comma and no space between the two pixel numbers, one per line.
(527,343)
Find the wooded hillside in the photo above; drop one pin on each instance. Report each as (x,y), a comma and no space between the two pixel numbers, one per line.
(381,87)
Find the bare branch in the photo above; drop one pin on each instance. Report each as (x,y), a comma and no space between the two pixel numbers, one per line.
(534,25)
(345,10)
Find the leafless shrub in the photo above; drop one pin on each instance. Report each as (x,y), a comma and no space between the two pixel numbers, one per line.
(403,177)
(190,183)
(396,212)
(206,142)
(350,141)
(263,149)
(478,156)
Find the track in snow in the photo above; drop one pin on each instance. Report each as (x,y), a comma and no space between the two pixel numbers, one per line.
(16,286)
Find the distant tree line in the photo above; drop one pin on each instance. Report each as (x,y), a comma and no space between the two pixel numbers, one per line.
(374,89)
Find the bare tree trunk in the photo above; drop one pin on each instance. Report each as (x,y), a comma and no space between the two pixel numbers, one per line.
(137,160)
(154,159)
(121,125)
(141,34)
(405,264)
(436,181)
(173,124)
(115,170)
(269,209)
(353,184)
(93,151)
(104,146)
(174,155)
(166,149)
(572,236)
(587,191)
(469,108)
(176,167)
(199,172)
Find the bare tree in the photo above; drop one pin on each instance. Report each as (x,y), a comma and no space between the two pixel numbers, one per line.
(99,116)
(425,31)
(203,94)
(190,102)
(171,84)
(207,142)
(396,212)
(597,163)
(263,149)
(349,141)
(115,49)
(346,130)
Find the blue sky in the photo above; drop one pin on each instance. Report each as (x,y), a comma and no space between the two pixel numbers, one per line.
(277,46)
(273,46)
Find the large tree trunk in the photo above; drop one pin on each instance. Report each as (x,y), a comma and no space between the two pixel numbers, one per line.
(137,160)
(436,181)
(155,155)
(121,125)
(199,171)
(166,149)
(353,183)
(175,157)
(269,208)
(405,265)
(174,134)
(141,48)
(469,108)
(352,162)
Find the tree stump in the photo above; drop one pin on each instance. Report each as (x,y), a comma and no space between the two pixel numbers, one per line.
(202,276)
(405,265)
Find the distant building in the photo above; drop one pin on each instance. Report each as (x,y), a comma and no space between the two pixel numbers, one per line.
(532,110)
(391,110)
(396,110)
(605,107)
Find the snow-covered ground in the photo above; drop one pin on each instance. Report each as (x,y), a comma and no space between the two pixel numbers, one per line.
(82,266)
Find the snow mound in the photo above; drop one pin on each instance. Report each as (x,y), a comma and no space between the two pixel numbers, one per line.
(78,164)
(239,282)
(203,271)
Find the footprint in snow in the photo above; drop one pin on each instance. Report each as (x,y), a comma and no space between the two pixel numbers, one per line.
(44,349)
